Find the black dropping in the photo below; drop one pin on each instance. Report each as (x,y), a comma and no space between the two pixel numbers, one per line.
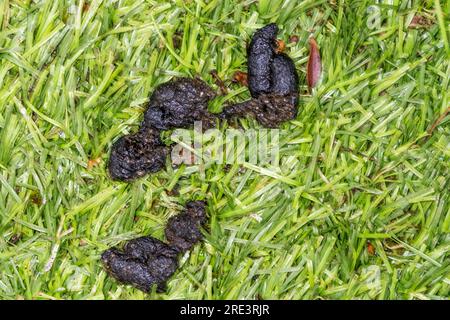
(134,155)
(183,230)
(178,104)
(272,80)
(260,54)
(273,84)
(146,261)
(269,110)
(143,263)
(284,77)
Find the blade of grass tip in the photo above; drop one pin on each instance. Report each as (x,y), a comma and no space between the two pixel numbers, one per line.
(96,200)
(47,38)
(418,252)
(380,251)
(375,235)
(46,118)
(394,76)
(312,165)
(443,29)
(109,77)
(90,13)
(271,173)
(8,188)
(326,253)
(438,121)
(167,45)
(17,60)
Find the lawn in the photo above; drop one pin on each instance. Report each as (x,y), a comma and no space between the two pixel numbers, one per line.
(358,209)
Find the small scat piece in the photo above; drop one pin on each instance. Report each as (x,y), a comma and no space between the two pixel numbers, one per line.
(183,230)
(147,261)
(143,263)
(134,155)
(178,104)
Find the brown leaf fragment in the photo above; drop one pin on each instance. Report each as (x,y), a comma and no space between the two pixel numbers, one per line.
(219,82)
(241,78)
(370,249)
(419,21)
(294,39)
(281,46)
(93,162)
(15,238)
(36,199)
(314,68)
(177,40)
(438,121)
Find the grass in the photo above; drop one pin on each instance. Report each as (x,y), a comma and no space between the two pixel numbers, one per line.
(360,208)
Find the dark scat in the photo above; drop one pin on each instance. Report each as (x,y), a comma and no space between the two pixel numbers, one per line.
(183,230)
(269,110)
(284,77)
(143,263)
(260,53)
(147,261)
(269,71)
(178,104)
(134,155)
(273,83)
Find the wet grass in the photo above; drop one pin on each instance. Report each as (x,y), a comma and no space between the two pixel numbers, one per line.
(358,209)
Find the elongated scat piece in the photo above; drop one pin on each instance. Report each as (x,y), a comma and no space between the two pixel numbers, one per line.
(273,82)
(270,110)
(147,261)
(260,55)
(183,230)
(134,155)
(178,104)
